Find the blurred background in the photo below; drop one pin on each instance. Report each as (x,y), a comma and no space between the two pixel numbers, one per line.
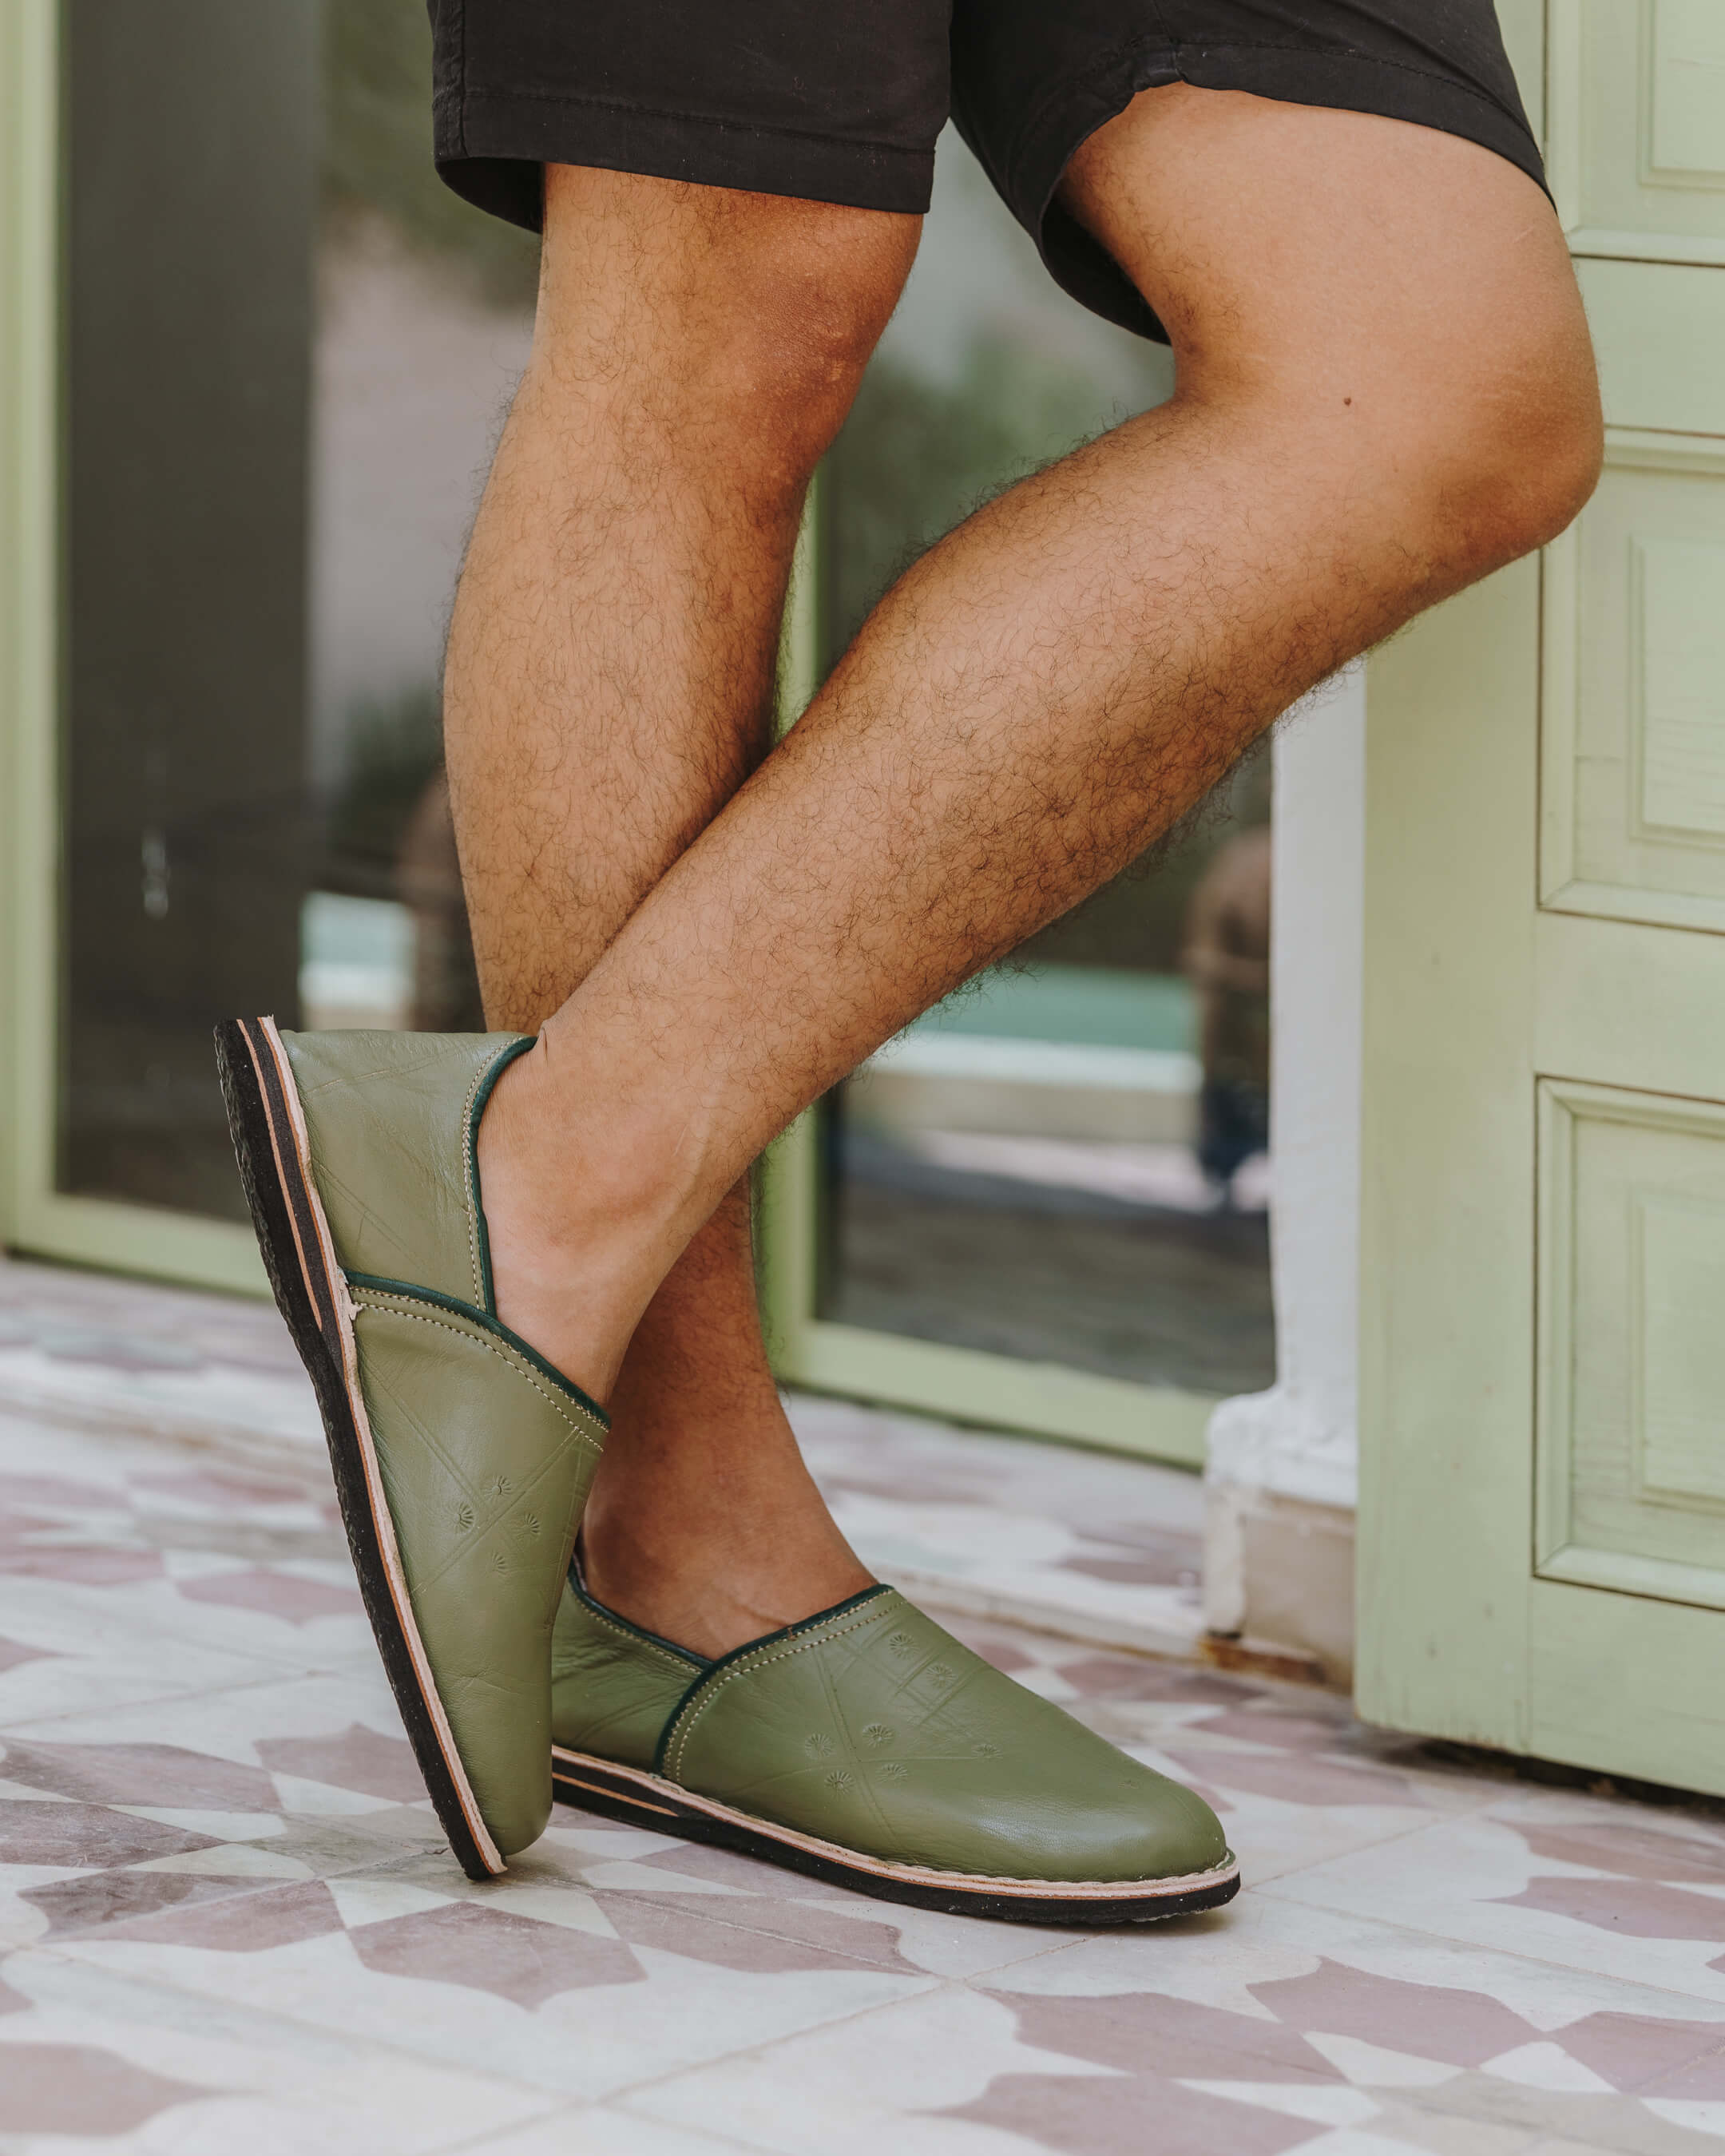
(290,351)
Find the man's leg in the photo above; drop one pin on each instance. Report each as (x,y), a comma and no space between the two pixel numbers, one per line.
(1385,392)
(609,685)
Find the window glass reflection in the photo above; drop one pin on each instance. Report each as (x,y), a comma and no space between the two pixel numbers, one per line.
(289,350)
(1067,1161)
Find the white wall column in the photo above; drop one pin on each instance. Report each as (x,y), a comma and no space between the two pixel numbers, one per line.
(1282,1474)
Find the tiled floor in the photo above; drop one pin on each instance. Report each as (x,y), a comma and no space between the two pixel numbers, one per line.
(228,1922)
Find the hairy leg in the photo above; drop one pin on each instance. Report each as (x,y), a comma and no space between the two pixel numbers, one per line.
(609,685)
(1385,391)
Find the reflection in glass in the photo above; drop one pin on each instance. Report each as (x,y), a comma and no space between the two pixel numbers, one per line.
(1066,1162)
(287,351)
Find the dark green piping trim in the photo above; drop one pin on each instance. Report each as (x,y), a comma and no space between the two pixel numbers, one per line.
(486,1323)
(578,1588)
(482,1093)
(750,1647)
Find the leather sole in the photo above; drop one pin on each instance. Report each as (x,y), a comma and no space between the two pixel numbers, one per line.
(270,1143)
(645,1800)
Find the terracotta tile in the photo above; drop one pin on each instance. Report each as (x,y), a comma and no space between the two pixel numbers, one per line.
(1619,2123)
(109,1897)
(59,1834)
(1636,2053)
(1176,2039)
(1635,1908)
(901,2078)
(1286,1729)
(166,1776)
(273,2085)
(696,1860)
(134,1353)
(1441,1988)
(489,1950)
(356,1758)
(765,1898)
(1632,1849)
(748,1933)
(238,1923)
(1461,2028)
(80,1564)
(1003,1653)
(108,1661)
(64,2088)
(1401,2130)
(1118,2118)
(282,1595)
(1130,1572)
(1294,1779)
(1694,2129)
(1136,1677)
(58,1492)
(221,1489)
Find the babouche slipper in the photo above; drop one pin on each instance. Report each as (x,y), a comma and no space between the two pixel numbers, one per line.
(868,1747)
(462,1458)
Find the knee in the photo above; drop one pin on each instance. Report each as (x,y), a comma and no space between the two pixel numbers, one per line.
(756,311)
(1520,451)
(1451,441)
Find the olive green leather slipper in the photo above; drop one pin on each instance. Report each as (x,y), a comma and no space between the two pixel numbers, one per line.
(462,1458)
(869,1747)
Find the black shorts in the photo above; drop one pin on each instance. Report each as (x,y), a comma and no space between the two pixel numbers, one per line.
(841,102)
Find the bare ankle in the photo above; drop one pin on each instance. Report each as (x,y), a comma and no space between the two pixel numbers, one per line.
(574,1262)
(712,1571)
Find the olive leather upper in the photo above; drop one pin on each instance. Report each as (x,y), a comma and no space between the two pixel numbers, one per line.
(485,1454)
(872,1728)
(388,1115)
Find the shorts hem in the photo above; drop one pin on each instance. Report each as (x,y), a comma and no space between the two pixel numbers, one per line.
(1072,111)
(492,147)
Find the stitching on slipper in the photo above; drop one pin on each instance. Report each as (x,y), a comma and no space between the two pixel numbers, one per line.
(400,1307)
(635,1639)
(699,1705)
(467,1150)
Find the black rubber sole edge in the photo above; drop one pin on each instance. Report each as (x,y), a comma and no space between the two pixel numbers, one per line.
(282,1209)
(640,1800)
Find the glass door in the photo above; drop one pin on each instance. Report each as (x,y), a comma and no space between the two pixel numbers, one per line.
(259,357)
(1045,1205)
(256,359)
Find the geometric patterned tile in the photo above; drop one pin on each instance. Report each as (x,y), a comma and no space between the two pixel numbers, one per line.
(275,1594)
(98,1898)
(244,1930)
(46,1833)
(358,1758)
(1113,2117)
(76,2089)
(1631,1850)
(159,1775)
(1632,1908)
(489,1950)
(244,1924)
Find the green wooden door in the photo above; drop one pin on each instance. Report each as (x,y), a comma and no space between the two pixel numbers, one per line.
(1543,1385)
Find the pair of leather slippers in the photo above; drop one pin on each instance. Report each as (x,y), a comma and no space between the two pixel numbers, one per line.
(865,1746)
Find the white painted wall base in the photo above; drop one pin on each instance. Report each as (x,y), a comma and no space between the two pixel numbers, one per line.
(1282,1476)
